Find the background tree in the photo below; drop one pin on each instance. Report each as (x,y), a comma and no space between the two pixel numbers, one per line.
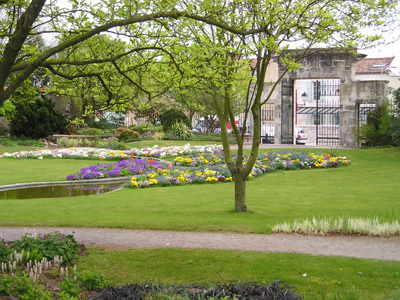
(36,117)
(141,21)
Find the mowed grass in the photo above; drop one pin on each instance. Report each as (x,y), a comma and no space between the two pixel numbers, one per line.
(369,187)
(308,275)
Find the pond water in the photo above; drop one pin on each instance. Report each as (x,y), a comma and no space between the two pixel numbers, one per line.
(58,191)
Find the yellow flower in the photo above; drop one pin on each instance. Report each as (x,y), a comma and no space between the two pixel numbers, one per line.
(153,182)
(250,176)
(209,172)
(134,183)
(228,178)
(211,179)
(181,178)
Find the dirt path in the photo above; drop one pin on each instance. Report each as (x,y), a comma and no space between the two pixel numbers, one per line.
(359,247)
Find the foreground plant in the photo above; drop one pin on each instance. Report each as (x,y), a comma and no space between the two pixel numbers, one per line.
(342,225)
(26,273)
(275,290)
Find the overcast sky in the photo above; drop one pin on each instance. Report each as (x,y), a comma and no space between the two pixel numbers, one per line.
(384,50)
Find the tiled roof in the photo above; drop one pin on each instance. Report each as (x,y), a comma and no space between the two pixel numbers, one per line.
(373,65)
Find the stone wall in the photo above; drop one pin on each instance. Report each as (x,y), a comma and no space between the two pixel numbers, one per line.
(341,65)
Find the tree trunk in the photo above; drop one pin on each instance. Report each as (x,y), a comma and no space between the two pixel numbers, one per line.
(240,194)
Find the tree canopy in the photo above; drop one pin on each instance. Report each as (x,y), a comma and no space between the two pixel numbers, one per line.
(207,42)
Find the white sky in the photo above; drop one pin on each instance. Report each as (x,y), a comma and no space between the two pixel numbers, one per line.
(384,50)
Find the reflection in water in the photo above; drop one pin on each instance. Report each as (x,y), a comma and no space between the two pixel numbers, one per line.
(58,191)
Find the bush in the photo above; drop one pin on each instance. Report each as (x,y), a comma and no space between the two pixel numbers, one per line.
(90,131)
(181,130)
(36,118)
(93,281)
(105,126)
(170,117)
(146,128)
(114,145)
(50,245)
(382,128)
(74,142)
(125,134)
(13,141)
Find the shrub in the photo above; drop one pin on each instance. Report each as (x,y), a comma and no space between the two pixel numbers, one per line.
(5,251)
(105,126)
(146,128)
(13,141)
(93,281)
(50,245)
(114,145)
(90,131)
(170,117)
(181,130)
(70,287)
(36,118)
(125,134)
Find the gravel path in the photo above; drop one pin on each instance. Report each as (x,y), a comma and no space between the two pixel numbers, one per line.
(359,247)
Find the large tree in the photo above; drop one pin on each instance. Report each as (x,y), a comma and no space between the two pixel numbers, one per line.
(271,26)
(138,21)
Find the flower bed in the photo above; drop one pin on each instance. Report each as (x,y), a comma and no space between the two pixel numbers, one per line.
(203,168)
(106,154)
(119,169)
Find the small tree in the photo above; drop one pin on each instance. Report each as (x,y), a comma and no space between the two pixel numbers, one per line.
(35,117)
(172,116)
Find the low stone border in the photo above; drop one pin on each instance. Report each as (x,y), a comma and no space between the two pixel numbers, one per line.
(69,182)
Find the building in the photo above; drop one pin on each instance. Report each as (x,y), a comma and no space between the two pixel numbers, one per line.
(324,97)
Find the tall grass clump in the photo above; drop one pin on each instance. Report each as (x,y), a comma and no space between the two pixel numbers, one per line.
(341,225)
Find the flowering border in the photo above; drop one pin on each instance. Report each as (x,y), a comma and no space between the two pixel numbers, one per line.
(203,168)
(106,154)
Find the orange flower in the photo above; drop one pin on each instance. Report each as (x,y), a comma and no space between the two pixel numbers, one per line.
(132,154)
(123,156)
(169,167)
(102,157)
(141,171)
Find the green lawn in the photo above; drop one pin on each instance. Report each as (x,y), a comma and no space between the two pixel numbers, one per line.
(368,187)
(369,278)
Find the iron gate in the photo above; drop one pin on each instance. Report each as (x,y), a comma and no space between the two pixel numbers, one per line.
(323,112)
(363,111)
(267,124)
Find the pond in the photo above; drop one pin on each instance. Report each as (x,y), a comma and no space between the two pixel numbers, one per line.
(58,191)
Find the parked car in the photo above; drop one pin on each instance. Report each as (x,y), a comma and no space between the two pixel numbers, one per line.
(301,136)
